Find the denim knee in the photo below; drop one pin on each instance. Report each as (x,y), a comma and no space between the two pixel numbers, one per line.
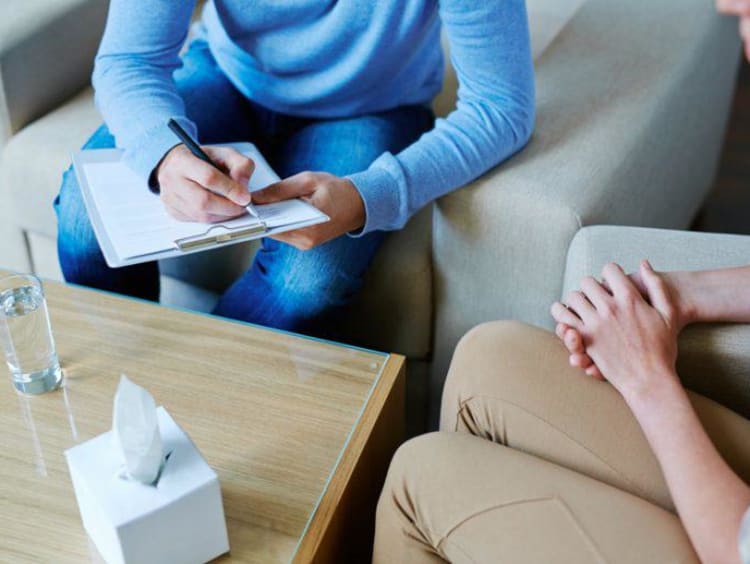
(78,249)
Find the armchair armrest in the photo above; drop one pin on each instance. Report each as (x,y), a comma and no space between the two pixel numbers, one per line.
(631,109)
(714,359)
(594,246)
(47,52)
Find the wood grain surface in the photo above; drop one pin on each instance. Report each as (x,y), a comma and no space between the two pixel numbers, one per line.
(272,413)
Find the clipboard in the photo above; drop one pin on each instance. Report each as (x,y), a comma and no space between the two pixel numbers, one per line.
(132,226)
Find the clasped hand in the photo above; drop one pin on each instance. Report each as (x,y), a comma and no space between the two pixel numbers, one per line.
(623,329)
(193,190)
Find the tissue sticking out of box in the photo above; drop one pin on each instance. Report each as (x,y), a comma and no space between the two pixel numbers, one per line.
(135,432)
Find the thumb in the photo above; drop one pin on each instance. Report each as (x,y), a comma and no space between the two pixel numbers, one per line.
(657,290)
(292,187)
(239,167)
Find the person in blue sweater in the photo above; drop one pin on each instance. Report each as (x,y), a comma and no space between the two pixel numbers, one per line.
(336,95)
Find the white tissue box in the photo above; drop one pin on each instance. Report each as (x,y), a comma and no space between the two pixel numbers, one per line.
(178,520)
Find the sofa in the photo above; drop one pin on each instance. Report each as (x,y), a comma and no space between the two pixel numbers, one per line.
(632,102)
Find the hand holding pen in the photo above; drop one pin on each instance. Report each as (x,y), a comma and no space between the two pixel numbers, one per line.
(209,188)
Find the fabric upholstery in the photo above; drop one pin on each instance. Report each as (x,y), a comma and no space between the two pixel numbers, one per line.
(632,100)
(612,78)
(546,19)
(714,359)
(46,55)
(40,67)
(43,251)
(34,160)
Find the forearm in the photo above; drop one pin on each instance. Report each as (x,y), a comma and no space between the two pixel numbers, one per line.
(721,295)
(135,91)
(493,120)
(709,496)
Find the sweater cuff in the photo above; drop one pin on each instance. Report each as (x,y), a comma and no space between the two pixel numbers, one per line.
(379,191)
(145,155)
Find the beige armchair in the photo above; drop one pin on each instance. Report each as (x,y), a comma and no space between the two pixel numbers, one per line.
(632,102)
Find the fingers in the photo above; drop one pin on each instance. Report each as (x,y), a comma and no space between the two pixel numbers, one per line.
(302,184)
(570,337)
(582,361)
(216,181)
(188,201)
(657,290)
(560,329)
(573,341)
(300,239)
(562,314)
(595,293)
(578,302)
(177,214)
(744,27)
(733,7)
(595,373)
(621,286)
(238,166)
(635,278)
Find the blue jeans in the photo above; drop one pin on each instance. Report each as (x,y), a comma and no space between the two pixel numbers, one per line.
(284,288)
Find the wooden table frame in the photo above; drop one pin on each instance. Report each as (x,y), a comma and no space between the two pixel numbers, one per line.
(343,526)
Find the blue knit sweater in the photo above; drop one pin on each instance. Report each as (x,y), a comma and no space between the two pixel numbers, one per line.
(333,58)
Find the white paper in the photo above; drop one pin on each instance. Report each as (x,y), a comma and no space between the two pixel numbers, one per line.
(135,432)
(137,223)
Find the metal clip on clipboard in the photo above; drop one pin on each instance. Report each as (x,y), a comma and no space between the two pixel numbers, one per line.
(209,240)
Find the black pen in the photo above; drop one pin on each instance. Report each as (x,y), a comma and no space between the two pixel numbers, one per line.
(201,154)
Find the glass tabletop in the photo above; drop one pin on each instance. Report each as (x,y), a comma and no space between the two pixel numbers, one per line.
(270,411)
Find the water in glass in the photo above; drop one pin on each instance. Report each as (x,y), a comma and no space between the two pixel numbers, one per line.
(27,339)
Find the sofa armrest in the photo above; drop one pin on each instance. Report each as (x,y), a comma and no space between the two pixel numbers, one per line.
(714,359)
(632,104)
(594,246)
(47,53)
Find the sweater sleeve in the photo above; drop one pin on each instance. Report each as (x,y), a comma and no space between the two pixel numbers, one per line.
(135,91)
(493,119)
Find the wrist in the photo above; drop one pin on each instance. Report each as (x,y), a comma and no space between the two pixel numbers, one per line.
(662,386)
(358,206)
(686,294)
(154,182)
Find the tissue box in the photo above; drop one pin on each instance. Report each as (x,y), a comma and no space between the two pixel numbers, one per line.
(178,520)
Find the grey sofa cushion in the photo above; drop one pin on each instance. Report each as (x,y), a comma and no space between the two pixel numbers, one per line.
(46,55)
(34,159)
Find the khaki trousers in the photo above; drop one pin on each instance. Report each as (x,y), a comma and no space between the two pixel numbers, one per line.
(536,462)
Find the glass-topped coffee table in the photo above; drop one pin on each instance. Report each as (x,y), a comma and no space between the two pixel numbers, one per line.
(300,431)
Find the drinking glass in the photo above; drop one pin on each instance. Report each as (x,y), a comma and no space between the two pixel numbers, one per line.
(26,336)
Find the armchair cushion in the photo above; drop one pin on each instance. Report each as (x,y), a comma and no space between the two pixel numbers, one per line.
(46,55)
(33,162)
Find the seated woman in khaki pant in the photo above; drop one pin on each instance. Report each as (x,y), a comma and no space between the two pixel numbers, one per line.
(537,462)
